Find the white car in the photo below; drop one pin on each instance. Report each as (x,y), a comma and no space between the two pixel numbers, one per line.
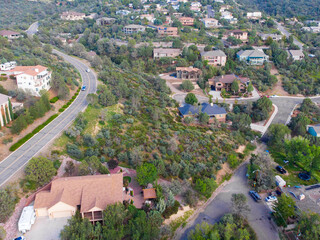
(271,199)
(88,70)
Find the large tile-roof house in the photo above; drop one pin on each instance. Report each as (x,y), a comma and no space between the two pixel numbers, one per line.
(187,21)
(297,55)
(9,34)
(133,28)
(252,57)
(88,194)
(216,57)
(314,130)
(190,73)
(213,110)
(32,78)
(5,116)
(72,16)
(169,31)
(238,34)
(166,52)
(225,82)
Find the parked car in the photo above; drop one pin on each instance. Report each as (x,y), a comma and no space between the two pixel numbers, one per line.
(281,169)
(271,199)
(304,176)
(83,88)
(88,70)
(255,196)
(20,238)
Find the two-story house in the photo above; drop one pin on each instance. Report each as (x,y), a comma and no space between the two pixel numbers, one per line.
(168,31)
(32,78)
(215,58)
(187,21)
(190,73)
(166,52)
(8,66)
(72,16)
(238,34)
(225,82)
(253,57)
(133,28)
(210,22)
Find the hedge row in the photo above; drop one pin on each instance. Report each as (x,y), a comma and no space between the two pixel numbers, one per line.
(37,129)
(30,135)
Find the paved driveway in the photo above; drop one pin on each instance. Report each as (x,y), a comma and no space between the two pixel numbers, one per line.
(258,216)
(45,228)
(16,160)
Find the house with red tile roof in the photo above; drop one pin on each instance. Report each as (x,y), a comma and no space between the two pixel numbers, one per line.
(32,78)
(9,34)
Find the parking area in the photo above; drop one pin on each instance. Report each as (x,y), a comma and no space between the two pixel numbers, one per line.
(45,228)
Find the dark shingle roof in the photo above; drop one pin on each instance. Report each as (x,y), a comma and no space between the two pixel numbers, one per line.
(205,108)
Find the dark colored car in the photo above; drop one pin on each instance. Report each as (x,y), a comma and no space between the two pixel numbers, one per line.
(304,176)
(281,170)
(255,196)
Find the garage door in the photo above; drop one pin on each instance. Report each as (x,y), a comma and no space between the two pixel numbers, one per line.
(62,214)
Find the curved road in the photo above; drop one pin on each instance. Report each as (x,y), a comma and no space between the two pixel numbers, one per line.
(18,159)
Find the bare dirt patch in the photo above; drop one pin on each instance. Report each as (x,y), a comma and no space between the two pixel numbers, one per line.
(222,172)
(241,149)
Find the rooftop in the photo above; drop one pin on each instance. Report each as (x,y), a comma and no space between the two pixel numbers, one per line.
(187,69)
(251,53)
(229,78)
(205,108)
(29,70)
(87,191)
(167,50)
(8,33)
(215,53)
(3,98)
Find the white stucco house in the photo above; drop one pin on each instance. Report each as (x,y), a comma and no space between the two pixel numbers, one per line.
(32,78)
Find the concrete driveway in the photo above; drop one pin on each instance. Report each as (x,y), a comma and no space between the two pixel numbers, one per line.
(45,228)
(259,216)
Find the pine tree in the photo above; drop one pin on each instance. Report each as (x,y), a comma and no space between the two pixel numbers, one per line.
(10,109)
(7,115)
(4,120)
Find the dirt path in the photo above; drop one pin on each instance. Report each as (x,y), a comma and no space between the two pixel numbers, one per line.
(277,88)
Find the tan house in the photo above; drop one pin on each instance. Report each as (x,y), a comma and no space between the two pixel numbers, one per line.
(166,52)
(215,58)
(72,16)
(225,82)
(105,21)
(190,73)
(238,34)
(88,194)
(5,116)
(9,34)
(133,28)
(169,31)
(210,22)
(187,21)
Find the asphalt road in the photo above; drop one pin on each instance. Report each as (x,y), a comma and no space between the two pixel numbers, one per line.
(258,217)
(285,32)
(18,159)
(33,29)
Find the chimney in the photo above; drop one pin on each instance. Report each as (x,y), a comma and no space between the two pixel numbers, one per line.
(37,70)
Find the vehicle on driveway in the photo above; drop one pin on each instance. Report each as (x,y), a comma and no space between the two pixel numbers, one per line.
(304,176)
(83,88)
(20,238)
(27,219)
(281,169)
(271,199)
(255,196)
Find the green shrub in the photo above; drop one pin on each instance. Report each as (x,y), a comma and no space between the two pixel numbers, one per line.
(171,210)
(61,109)
(30,135)
(54,99)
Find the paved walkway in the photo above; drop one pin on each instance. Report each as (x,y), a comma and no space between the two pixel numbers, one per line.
(263,128)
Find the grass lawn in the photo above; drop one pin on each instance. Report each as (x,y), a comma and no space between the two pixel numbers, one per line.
(61,142)
(292,179)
